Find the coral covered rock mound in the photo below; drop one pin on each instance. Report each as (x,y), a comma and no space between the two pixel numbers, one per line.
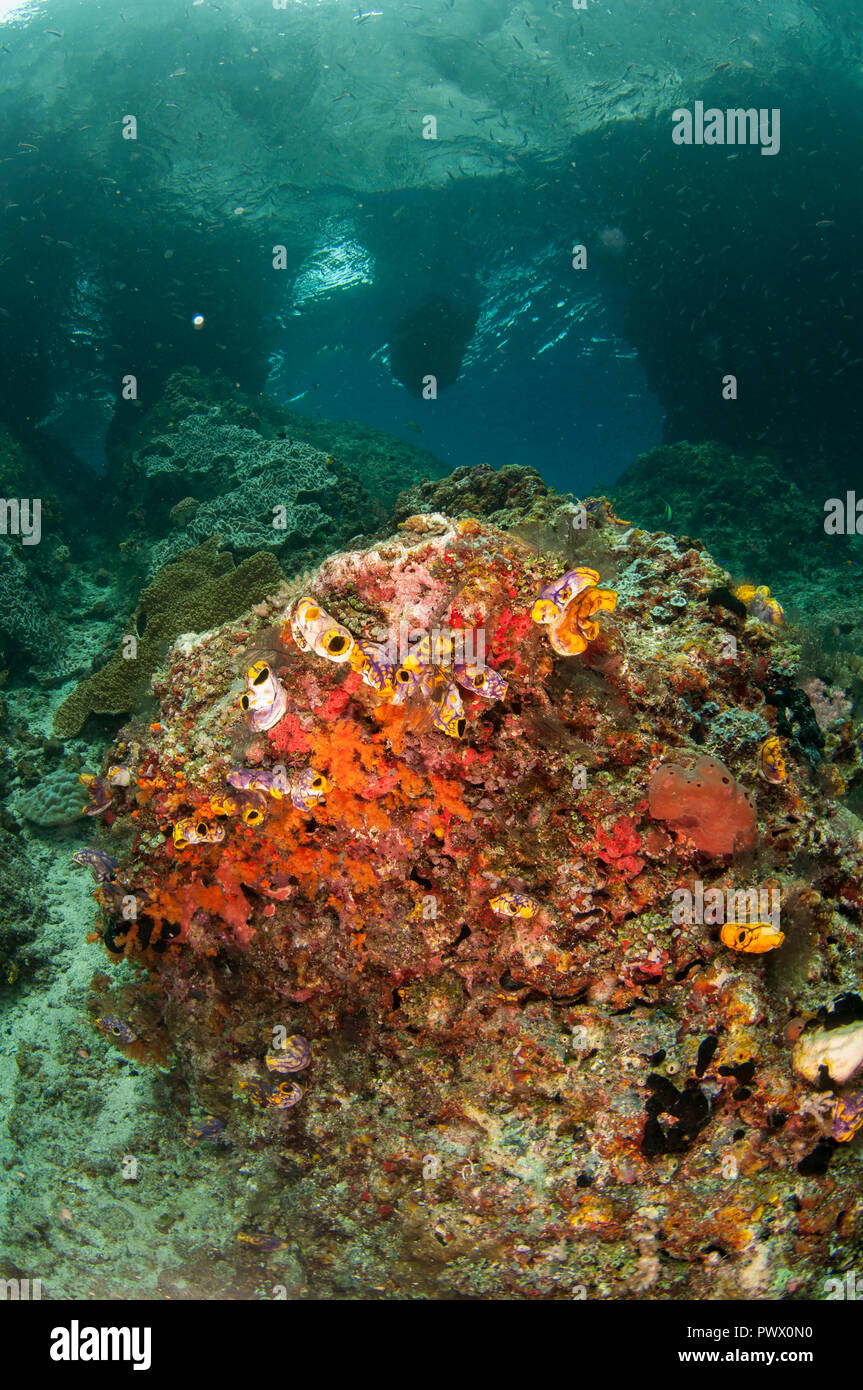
(406,923)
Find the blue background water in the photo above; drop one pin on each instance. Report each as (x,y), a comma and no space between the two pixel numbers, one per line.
(302,127)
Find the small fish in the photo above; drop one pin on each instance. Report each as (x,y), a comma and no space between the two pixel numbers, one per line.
(100,864)
(258,1240)
(368,14)
(295,1054)
(669,513)
(769,762)
(556,597)
(114,1029)
(514,905)
(208,1127)
(197,832)
(481,680)
(754,940)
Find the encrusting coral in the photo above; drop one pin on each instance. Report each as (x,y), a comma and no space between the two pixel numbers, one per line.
(21,913)
(58,799)
(269,497)
(524,1076)
(214,460)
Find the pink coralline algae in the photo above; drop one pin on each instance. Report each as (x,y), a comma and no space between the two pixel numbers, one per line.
(705,804)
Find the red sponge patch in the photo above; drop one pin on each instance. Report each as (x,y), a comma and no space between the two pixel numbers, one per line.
(705,804)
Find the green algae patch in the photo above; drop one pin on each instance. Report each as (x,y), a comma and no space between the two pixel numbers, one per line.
(200,590)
